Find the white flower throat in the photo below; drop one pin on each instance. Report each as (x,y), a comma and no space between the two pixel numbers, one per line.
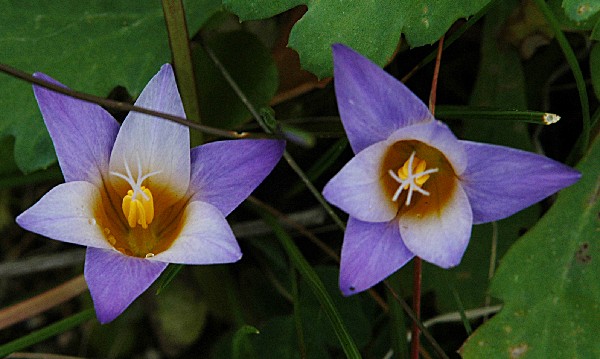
(138,203)
(411,176)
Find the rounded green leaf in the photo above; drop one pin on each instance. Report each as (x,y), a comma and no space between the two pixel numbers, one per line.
(549,282)
(579,10)
(90,46)
(372,28)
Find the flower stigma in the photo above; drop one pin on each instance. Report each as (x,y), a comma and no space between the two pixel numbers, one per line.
(138,203)
(411,176)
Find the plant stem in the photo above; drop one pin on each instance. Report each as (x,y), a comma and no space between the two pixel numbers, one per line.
(121,106)
(418,273)
(182,57)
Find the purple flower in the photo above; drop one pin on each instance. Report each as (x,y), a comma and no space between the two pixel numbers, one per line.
(136,196)
(413,188)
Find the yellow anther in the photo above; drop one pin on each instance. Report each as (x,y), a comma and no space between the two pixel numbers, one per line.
(411,176)
(138,208)
(418,167)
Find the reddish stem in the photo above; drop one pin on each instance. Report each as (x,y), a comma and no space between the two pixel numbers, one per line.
(415,343)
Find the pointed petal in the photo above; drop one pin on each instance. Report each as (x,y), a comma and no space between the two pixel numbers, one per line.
(437,135)
(439,237)
(66,214)
(224,173)
(205,238)
(370,253)
(372,103)
(357,188)
(501,181)
(159,145)
(116,280)
(83,133)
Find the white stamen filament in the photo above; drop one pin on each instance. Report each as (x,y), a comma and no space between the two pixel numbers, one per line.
(136,185)
(410,181)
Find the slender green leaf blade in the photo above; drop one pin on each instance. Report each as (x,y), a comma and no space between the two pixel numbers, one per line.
(315,284)
(45,333)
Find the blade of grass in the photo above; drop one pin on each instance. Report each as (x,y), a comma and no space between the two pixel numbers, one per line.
(46,332)
(314,283)
(297,316)
(461,310)
(182,57)
(169,274)
(397,322)
(475,113)
(240,342)
(574,64)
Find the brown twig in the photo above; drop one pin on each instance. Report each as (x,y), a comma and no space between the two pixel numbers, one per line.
(42,302)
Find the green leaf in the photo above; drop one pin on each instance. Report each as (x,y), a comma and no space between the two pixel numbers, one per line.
(579,10)
(595,68)
(250,64)
(90,46)
(372,28)
(180,317)
(549,281)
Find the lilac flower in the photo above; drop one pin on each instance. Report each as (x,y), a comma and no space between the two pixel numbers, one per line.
(413,188)
(136,196)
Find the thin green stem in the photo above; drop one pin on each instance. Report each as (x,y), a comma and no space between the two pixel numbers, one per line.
(269,128)
(574,64)
(182,57)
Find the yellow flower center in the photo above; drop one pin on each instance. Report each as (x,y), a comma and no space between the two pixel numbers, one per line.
(138,203)
(411,176)
(138,208)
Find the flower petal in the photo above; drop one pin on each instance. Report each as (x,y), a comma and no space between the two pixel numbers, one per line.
(158,144)
(83,133)
(205,238)
(116,280)
(224,173)
(501,181)
(372,104)
(357,188)
(439,237)
(437,135)
(66,213)
(370,253)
